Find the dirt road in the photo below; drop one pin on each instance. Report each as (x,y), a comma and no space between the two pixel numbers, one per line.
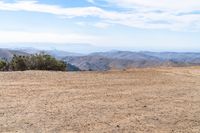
(162,100)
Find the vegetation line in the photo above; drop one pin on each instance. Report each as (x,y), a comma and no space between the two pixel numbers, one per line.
(33,62)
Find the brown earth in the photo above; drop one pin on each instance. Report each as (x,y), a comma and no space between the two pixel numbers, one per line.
(160,100)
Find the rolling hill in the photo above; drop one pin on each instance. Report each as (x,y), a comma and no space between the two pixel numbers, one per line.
(59,54)
(8,54)
(102,61)
(127,59)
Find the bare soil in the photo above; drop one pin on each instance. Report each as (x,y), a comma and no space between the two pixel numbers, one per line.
(159,100)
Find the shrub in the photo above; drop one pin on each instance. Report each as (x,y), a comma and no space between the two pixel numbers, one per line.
(3,65)
(18,63)
(36,62)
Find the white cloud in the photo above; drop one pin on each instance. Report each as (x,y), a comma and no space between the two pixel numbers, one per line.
(165,14)
(102,25)
(181,5)
(33,6)
(81,23)
(17,36)
(91,1)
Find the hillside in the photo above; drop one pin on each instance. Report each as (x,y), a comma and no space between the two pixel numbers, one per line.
(102,61)
(193,58)
(8,54)
(59,54)
(127,59)
(154,100)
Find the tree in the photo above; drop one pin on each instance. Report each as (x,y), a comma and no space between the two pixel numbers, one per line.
(18,63)
(36,62)
(3,65)
(33,62)
(46,62)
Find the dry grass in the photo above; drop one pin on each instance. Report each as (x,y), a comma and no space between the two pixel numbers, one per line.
(141,101)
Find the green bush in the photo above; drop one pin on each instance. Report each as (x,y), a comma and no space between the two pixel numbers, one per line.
(36,62)
(3,65)
(18,63)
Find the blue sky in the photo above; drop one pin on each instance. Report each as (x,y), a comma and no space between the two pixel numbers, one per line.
(164,25)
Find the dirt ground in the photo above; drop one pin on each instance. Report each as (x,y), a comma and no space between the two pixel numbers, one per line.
(160,100)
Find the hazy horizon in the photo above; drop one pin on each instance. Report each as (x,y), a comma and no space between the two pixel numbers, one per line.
(81,48)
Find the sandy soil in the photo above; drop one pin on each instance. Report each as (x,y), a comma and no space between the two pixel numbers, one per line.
(162,100)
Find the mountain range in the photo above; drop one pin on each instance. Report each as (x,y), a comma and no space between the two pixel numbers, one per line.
(101,61)
(7,54)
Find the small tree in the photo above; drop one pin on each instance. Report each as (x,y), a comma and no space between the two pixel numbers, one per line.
(36,62)
(3,65)
(46,62)
(19,63)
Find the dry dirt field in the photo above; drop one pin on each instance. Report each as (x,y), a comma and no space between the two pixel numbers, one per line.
(160,100)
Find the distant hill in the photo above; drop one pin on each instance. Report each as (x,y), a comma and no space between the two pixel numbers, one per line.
(102,61)
(8,54)
(59,54)
(127,59)
(71,67)
(190,58)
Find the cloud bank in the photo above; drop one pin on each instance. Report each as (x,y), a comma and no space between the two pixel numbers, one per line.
(178,15)
(44,37)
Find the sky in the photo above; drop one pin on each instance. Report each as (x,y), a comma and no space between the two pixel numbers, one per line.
(139,25)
